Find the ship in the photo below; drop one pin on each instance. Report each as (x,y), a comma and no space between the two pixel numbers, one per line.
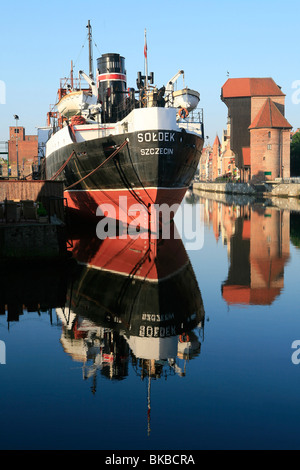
(110,143)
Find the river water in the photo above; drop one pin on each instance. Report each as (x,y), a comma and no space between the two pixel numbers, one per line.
(96,354)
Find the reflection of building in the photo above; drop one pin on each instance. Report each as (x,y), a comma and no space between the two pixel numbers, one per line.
(257,240)
(260,134)
(221,217)
(259,250)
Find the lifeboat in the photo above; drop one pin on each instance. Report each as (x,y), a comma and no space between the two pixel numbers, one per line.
(186,98)
(75,102)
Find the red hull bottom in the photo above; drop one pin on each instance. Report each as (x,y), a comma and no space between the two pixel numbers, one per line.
(131,208)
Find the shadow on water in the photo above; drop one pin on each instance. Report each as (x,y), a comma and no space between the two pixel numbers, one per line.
(33,287)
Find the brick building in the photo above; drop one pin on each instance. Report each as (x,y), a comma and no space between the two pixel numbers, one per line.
(27,146)
(260,134)
(228,167)
(205,166)
(210,161)
(216,161)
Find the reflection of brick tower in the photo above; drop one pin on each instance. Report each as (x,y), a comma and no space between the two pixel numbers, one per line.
(269,252)
(27,147)
(259,252)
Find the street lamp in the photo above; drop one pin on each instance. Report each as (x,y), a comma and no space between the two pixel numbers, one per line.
(16,117)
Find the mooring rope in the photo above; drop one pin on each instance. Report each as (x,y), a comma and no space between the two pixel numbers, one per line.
(99,166)
(62,167)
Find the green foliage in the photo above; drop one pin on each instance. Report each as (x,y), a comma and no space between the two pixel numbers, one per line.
(41,210)
(295,155)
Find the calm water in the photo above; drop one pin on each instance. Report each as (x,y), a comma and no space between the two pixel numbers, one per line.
(99,356)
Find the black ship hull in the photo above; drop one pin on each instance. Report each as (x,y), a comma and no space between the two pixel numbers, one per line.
(153,167)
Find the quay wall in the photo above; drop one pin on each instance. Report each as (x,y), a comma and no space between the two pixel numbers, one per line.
(263,189)
(33,190)
(233,188)
(50,193)
(283,203)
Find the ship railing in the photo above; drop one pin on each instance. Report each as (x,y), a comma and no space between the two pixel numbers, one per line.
(193,122)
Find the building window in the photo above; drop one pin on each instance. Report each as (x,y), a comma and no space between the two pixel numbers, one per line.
(269,146)
(17,131)
(269,134)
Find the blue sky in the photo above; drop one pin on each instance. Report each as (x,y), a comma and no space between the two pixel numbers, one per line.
(254,38)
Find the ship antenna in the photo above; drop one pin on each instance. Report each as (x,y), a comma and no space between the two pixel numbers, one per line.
(90,50)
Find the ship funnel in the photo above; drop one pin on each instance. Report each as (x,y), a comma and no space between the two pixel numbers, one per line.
(111,80)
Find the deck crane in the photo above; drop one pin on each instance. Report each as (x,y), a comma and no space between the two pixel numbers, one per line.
(91,82)
(170,88)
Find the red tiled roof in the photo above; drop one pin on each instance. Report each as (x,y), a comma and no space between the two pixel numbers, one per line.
(249,296)
(236,294)
(241,87)
(269,117)
(246,156)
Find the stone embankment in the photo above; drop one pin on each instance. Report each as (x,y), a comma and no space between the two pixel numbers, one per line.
(268,189)
(281,195)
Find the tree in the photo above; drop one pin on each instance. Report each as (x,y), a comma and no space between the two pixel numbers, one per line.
(295,154)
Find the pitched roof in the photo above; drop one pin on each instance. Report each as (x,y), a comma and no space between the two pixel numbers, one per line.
(242,87)
(269,116)
(217,142)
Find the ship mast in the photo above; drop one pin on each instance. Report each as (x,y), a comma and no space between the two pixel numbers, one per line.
(149,402)
(146,67)
(91,73)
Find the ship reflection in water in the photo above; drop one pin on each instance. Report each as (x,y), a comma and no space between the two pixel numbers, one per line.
(132,302)
(258,245)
